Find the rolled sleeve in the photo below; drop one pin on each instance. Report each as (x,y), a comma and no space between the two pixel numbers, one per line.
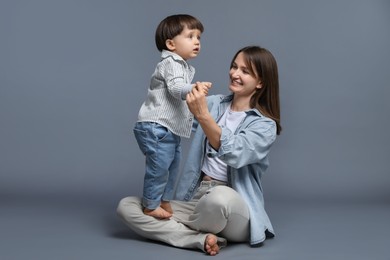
(250,145)
(226,145)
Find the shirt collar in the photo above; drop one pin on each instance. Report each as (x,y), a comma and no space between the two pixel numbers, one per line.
(166,54)
(229,98)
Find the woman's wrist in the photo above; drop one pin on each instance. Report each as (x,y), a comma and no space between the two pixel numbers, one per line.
(204,118)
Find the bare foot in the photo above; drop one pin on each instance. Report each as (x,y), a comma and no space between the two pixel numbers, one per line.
(210,245)
(166,206)
(158,213)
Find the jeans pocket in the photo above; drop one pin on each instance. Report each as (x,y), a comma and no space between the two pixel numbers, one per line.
(140,135)
(160,132)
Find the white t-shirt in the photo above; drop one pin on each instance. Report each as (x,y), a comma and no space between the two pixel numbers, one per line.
(214,167)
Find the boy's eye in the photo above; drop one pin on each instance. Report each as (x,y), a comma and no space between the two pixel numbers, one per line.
(191,36)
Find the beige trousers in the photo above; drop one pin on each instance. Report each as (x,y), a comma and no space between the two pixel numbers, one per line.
(215,209)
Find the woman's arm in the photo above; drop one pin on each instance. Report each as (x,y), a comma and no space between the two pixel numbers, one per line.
(249,144)
(196,101)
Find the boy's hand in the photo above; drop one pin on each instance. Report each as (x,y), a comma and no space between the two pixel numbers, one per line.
(203,86)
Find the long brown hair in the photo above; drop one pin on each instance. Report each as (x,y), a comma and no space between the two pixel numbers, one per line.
(262,64)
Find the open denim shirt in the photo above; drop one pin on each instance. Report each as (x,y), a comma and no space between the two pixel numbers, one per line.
(245,152)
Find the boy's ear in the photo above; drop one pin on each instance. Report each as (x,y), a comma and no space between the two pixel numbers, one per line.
(170,44)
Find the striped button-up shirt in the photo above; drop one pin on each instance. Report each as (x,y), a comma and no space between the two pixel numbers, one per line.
(165,103)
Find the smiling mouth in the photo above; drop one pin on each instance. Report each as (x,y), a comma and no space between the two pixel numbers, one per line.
(235,82)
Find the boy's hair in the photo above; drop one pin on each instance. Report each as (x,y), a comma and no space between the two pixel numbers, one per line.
(172,26)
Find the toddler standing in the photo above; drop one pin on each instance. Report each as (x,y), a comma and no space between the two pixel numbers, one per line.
(164,116)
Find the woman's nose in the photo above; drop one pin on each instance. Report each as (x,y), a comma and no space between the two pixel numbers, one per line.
(235,74)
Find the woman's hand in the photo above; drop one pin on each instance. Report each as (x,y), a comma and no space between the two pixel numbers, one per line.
(204,86)
(196,100)
(197,104)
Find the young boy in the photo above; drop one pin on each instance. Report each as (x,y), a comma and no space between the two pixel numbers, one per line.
(164,117)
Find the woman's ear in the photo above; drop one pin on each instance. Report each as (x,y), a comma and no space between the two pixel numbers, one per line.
(170,44)
(260,85)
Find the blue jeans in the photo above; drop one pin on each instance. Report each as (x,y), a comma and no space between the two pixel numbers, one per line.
(162,150)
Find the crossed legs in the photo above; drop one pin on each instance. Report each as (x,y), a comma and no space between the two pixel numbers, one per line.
(219,215)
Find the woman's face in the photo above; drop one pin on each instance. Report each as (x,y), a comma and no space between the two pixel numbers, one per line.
(242,81)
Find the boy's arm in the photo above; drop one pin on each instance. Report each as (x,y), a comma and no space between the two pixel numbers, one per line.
(174,77)
(185,90)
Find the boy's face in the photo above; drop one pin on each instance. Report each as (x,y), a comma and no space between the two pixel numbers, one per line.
(186,44)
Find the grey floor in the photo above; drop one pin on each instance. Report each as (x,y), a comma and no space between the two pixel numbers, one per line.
(68,228)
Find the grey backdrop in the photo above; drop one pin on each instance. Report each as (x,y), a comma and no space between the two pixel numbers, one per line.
(73,75)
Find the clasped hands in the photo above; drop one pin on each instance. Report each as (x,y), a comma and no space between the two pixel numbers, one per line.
(196,99)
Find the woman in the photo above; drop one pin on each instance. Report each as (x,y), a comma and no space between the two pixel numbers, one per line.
(219,194)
